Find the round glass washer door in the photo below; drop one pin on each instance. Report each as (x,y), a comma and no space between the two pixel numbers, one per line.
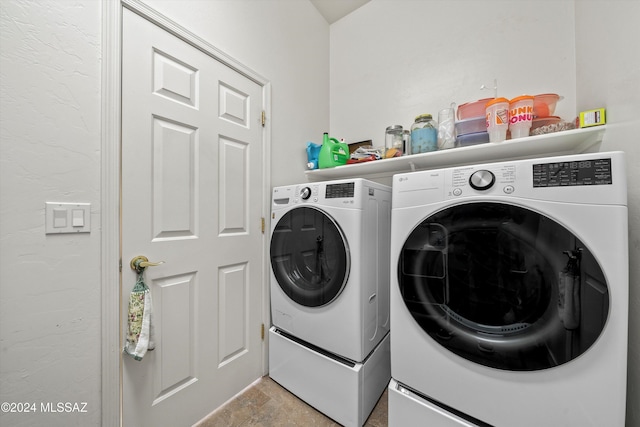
(503,286)
(309,256)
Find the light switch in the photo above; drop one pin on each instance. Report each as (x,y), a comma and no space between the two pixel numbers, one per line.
(59,218)
(77,218)
(67,218)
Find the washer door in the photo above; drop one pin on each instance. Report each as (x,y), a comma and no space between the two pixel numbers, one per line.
(503,286)
(309,256)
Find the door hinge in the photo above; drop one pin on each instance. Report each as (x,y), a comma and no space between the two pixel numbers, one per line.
(262,224)
(262,332)
(264,118)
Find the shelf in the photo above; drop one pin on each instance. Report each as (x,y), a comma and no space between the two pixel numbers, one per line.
(553,144)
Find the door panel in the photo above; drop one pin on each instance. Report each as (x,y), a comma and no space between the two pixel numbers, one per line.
(174,308)
(192,192)
(232,319)
(233,192)
(175,190)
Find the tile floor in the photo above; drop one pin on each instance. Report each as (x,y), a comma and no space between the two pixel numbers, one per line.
(268,404)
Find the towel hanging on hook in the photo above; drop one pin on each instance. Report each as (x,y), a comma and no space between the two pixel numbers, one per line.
(139,336)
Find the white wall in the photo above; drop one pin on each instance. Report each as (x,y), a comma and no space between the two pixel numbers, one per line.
(50,140)
(608,75)
(50,106)
(586,51)
(393,60)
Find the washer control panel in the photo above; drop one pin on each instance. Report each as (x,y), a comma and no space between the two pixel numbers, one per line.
(306,193)
(474,180)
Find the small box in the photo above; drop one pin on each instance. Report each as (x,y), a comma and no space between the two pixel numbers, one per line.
(353,146)
(592,118)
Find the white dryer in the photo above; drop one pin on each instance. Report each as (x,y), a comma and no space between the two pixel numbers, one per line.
(329,343)
(509,293)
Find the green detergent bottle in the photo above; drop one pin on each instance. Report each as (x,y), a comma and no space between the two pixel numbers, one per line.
(332,153)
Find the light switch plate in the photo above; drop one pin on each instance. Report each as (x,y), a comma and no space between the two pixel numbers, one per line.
(67,218)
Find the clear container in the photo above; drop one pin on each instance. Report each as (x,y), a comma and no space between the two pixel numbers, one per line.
(393,138)
(446,128)
(406,141)
(424,134)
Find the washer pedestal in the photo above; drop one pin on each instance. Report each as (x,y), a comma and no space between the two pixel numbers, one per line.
(345,391)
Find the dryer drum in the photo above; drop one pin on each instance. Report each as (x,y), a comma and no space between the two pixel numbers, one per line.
(482,279)
(309,256)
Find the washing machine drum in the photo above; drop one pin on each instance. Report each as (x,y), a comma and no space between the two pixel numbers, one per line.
(503,286)
(309,256)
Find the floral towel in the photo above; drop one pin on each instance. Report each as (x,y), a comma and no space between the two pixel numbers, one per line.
(139,327)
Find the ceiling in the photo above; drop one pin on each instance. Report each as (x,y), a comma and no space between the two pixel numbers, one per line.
(332,10)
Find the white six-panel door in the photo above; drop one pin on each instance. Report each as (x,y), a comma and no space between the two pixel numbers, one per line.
(192,193)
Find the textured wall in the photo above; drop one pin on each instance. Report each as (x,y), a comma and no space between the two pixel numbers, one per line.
(608,75)
(50,142)
(423,55)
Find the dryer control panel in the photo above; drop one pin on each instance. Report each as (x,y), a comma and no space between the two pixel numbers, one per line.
(592,178)
(500,177)
(572,173)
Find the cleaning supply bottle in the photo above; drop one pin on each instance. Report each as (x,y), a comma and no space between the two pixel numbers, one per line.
(313,151)
(332,153)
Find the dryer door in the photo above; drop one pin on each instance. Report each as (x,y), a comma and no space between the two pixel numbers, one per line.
(503,286)
(309,256)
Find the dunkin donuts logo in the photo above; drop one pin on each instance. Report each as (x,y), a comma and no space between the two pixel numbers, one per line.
(521,114)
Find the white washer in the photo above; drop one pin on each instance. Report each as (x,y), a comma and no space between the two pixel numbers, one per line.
(329,264)
(329,343)
(509,293)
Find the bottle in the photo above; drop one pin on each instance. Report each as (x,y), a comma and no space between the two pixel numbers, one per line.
(393,138)
(406,141)
(424,134)
(332,153)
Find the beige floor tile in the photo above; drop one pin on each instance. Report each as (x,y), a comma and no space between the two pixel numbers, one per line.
(267,404)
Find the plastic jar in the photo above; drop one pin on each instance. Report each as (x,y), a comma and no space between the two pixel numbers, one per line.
(520,116)
(393,138)
(424,134)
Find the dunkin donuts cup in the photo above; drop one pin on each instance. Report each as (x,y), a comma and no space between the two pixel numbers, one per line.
(520,116)
(497,114)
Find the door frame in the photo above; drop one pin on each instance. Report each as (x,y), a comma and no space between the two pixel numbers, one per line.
(111,263)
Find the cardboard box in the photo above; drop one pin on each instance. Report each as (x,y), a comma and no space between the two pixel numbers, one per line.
(353,146)
(592,118)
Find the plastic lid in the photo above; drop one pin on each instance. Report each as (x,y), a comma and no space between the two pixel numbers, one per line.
(394,128)
(424,116)
(521,98)
(497,100)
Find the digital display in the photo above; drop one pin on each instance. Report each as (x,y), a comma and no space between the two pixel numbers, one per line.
(561,174)
(335,191)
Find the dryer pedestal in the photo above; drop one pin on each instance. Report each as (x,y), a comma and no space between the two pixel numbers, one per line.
(344,391)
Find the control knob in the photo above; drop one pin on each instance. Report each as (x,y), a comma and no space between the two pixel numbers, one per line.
(482,179)
(305,193)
